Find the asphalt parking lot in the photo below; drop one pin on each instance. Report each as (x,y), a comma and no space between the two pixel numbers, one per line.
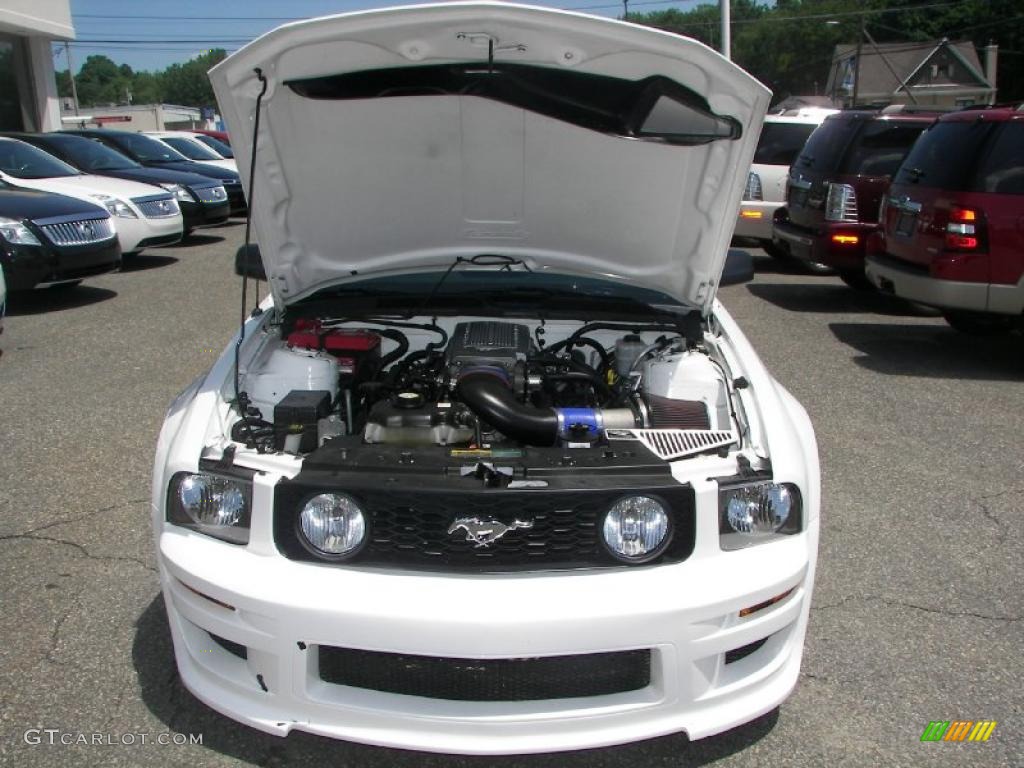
(918,607)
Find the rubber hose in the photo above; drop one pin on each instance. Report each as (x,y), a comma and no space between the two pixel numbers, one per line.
(493,401)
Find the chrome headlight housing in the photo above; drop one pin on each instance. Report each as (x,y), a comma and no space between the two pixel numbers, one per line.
(637,529)
(332,526)
(756,512)
(180,192)
(16,233)
(116,206)
(216,505)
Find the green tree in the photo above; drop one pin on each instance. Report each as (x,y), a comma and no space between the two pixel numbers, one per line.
(188,84)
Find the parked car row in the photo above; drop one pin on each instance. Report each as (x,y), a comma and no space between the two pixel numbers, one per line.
(73,204)
(927,206)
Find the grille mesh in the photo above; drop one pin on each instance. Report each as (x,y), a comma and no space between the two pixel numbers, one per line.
(530,679)
(410,529)
(82,232)
(159,208)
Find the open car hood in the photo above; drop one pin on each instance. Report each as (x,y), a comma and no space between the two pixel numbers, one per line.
(397,140)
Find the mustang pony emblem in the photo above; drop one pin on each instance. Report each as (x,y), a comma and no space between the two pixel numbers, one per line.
(485,532)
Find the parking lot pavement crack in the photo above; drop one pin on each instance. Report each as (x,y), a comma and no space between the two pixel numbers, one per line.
(986,510)
(55,632)
(79,548)
(79,518)
(913,606)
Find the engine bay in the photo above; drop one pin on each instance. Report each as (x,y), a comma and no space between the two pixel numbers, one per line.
(477,384)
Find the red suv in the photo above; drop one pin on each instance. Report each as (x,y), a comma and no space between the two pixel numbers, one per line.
(836,184)
(952,232)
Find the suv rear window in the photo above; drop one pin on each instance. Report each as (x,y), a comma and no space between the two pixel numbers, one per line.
(880,148)
(780,143)
(945,156)
(1002,171)
(827,144)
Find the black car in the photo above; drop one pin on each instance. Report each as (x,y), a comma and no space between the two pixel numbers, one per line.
(53,239)
(203,200)
(155,154)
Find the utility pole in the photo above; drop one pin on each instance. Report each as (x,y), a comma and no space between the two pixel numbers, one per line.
(856,62)
(726,31)
(625,10)
(71,76)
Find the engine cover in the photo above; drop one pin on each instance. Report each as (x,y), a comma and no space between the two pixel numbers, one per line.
(487,343)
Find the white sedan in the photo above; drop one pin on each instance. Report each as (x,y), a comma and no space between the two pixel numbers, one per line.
(187,144)
(144,215)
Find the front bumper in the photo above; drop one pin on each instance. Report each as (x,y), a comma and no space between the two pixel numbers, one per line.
(687,614)
(818,247)
(755,219)
(26,266)
(136,234)
(203,214)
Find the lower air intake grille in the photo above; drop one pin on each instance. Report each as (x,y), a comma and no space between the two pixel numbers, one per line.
(530,679)
(84,232)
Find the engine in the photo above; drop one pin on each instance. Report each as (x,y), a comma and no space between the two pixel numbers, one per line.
(487,383)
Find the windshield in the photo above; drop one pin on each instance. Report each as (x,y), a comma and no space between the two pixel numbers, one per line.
(92,156)
(147,149)
(190,149)
(780,143)
(23,161)
(216,145)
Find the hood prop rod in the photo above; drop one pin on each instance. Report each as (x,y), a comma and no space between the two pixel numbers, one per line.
(241,398)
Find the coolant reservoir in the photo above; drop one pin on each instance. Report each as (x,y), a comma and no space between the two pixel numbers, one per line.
(284,370)
(627,350)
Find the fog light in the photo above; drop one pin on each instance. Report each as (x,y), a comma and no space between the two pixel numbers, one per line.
(636,529)
(332,525)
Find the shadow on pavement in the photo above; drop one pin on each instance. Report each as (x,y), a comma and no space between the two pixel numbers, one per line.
(166,697)
(833,296)
(146,261)
(934,351)
(197,238)
(55,299)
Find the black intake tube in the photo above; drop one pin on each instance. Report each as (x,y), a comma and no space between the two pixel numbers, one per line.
(493,401)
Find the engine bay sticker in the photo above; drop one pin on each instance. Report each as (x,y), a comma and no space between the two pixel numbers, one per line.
(486,453)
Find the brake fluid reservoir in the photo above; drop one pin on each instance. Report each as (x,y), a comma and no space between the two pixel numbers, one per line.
(284,370)
(627,350)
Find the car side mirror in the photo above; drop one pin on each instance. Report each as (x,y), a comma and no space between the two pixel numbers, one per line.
(248,262)
(739,268)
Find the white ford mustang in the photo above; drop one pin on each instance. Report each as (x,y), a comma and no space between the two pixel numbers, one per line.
(495,473)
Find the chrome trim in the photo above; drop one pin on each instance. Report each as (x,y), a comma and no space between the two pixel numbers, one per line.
(80,232)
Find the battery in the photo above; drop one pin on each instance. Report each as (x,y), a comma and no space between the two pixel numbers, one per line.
(297,413)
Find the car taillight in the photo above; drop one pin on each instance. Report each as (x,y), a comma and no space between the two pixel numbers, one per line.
(753,190)
(965,230)
(841,203)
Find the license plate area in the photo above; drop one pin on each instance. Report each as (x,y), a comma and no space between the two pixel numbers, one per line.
(906,224)
(798,197)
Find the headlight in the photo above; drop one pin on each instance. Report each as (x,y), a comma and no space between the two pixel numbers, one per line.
(211,504)
(180,192)
(332,525)
(750,514)
(16,233)
(116,207)
(636,529)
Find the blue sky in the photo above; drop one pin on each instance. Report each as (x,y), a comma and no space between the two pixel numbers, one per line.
(150,36)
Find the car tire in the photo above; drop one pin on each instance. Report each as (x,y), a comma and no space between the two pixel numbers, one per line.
(857,280)
(775,251)
(979,324)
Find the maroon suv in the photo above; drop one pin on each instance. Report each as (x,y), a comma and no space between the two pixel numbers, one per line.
(836,184)
(952,232)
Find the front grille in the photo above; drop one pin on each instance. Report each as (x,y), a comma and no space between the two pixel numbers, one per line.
(212,194)
(157,207)
(409,529)
(529,679)
(79,232)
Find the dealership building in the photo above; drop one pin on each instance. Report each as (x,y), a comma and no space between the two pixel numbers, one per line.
(28,86)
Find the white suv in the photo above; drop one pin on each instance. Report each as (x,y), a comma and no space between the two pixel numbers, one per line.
(782,138)
(495,472)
